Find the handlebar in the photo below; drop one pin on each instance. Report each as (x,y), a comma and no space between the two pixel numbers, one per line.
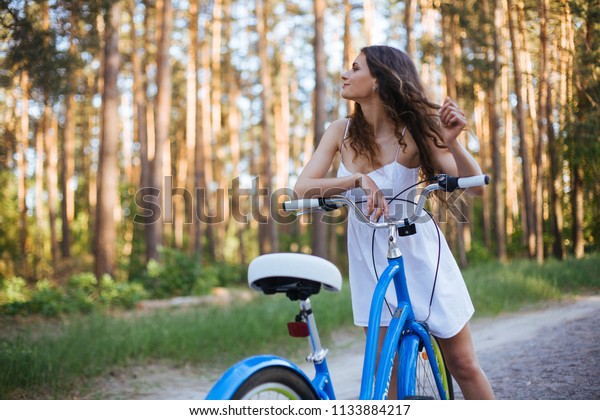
(444,182)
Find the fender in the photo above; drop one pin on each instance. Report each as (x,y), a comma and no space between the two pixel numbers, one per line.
(233,378)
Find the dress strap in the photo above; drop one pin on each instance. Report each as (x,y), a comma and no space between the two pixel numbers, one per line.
(346,130)
(398,149)
(344,141)
(397,153)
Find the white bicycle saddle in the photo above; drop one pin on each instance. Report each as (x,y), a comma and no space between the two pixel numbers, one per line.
(285,272)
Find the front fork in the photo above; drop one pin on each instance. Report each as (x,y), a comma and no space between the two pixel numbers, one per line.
(408,355)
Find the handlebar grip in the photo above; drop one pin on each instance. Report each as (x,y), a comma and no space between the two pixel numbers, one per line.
(473,181)
(303,204)
(452,183)
(310,203)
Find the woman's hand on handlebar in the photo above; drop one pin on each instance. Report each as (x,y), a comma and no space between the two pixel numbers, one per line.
(377,205)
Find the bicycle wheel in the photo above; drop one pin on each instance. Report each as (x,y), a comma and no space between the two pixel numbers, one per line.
(426,387)
(275,383)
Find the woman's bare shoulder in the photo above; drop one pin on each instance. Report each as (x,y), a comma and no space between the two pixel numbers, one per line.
(335,132)
(339,125)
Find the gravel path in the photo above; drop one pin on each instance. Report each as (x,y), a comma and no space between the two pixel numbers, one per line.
(551,353)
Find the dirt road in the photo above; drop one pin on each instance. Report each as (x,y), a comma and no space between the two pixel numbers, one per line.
(550,353)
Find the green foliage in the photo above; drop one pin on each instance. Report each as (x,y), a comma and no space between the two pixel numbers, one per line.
(479,254)
(13,290)
(180,274)
(497,287)
(51,362)
(82,294)
(9,219)
(582,134)
(57,359)
(41,51)
(47,299)
(120,294)
(177,274)
(230,274)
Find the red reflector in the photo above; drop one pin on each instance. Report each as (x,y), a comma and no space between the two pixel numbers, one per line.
(298,329)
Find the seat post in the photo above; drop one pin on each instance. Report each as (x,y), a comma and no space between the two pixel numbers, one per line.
(319,352)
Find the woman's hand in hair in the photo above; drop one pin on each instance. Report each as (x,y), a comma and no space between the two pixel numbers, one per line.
(453,121)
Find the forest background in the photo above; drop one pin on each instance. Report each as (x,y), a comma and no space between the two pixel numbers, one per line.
(144,145)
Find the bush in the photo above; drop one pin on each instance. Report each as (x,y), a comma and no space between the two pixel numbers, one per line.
(232,275)
(14,293)
(176,274)
(12,290)
(47,299)
(120,295)
(180,274)
(479,254)
(81,294)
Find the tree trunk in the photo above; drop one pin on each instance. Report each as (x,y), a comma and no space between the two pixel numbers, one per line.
(428,22)
(319,229)
(555,184)
(140,110)
(410,11)
(482,129)
(217,137)
(369,12)
(191,110)
(563,58)
(204,171)
(233,124)
(542,131)
(282,126)
(511,195)
(527,77)
(267,229)
(68,173)
(451,53)
(494,115)
(23,145)
(577,201)
(51,151)
(499,215)
(40,237)
(523,144)
(163,110)
(108,173)
(68,158)
(348,53)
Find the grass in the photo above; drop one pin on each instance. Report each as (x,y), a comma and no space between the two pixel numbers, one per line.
(48,360)
(497,287)
(34,363)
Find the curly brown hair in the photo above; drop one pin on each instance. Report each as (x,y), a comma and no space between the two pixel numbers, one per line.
(405,103)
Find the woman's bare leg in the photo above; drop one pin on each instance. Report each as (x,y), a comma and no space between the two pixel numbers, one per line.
(461,360)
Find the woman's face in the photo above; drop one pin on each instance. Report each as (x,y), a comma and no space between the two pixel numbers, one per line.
(358,83)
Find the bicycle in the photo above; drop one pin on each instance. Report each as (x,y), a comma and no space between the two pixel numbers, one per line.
(422,373)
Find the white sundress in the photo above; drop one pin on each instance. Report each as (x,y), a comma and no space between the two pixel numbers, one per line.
(451,306)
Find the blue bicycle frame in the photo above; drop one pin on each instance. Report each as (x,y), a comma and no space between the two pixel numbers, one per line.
(233,378)
(403,330)
(403,337)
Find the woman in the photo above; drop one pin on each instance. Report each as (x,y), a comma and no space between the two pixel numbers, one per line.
(394,136)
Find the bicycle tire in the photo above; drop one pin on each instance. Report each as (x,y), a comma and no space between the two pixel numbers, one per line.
(425,384)
(275,383)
